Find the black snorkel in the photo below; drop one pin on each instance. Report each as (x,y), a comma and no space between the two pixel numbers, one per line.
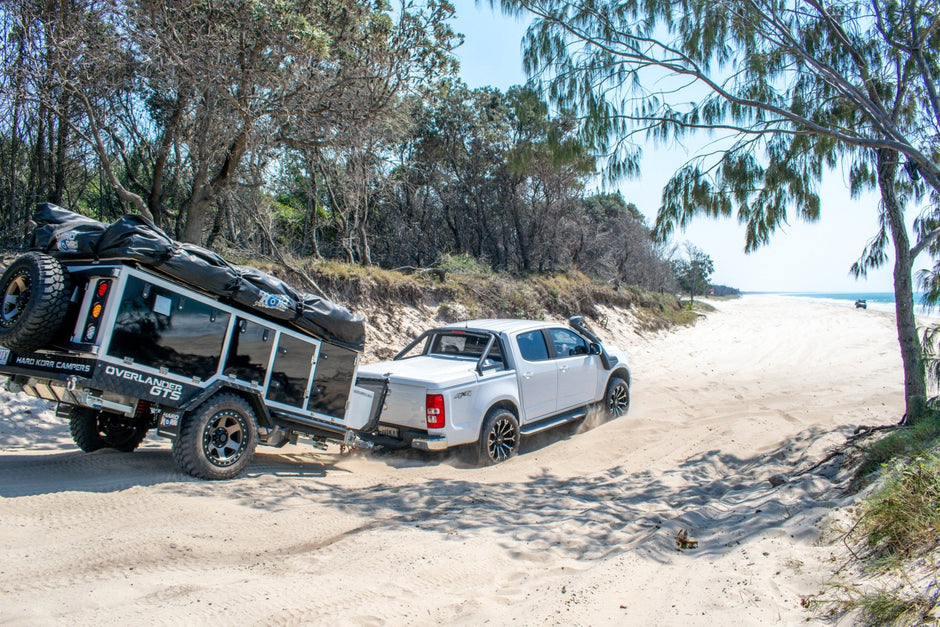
(577,323)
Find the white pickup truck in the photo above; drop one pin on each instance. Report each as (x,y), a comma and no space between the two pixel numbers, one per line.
(489,382)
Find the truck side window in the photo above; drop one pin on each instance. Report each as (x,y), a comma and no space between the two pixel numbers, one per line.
(568,344)
(532,346)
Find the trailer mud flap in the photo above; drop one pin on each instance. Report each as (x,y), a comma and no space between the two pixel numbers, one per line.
(168,425)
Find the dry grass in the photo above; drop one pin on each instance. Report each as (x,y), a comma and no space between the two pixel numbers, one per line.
(461,289)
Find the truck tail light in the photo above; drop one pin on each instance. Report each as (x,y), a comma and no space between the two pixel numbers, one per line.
(435,411)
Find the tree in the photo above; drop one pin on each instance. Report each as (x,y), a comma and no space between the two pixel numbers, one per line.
(693,271)
(795,88)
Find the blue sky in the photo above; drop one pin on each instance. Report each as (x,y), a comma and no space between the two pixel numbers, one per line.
(800,258)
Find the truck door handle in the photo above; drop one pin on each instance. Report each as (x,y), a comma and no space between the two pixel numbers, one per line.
(563,368)
(526,375)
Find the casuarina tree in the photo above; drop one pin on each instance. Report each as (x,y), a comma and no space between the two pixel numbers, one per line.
(794,89)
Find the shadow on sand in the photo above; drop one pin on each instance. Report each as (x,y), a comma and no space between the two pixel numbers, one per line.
(722,499)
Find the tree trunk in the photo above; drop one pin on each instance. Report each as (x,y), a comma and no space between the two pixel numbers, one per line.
(205,191)
(915,382)
(365,257)
(14,156)
(313,201)
(61,144)
(195,220)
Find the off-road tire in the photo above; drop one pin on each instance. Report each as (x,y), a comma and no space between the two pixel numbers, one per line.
(218,439)
(34,297)
(92,430)
(499,437)
(616,398)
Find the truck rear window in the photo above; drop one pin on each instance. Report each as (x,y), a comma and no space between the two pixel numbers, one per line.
(464,345)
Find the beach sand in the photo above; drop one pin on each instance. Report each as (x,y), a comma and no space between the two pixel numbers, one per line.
(578,529)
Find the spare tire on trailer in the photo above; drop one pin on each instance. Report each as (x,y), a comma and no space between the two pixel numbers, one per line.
(34,297)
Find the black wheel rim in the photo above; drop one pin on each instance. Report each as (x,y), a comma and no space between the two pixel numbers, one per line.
(502,439)
(114,431)
(15,298)
(225,438)
(618,400)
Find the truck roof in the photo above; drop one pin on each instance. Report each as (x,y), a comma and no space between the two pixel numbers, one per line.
(502,325)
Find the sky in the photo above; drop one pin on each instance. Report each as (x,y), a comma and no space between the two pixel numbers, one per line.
(801,257)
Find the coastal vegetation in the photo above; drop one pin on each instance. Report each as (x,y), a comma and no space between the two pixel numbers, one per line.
(459,288)
(896,533)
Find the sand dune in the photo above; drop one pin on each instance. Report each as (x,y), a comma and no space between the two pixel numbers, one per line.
(579,529)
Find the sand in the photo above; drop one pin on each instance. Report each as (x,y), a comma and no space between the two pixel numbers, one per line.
(578,529)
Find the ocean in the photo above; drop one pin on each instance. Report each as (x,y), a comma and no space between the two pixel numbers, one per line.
(878,301)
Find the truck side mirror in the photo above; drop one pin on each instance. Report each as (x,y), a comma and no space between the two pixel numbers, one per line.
(595,349)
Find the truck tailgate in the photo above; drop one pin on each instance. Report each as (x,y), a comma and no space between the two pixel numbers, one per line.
(405,406)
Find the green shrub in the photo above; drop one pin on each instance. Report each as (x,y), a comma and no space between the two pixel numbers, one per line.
(893,608)
(902,518)
(464,265)
(904,442)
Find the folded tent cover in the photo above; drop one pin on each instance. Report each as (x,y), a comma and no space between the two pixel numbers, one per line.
(64,234)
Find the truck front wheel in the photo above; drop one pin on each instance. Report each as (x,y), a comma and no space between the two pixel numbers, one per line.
(499,437)
(617,398)
(92,429)
(218,439)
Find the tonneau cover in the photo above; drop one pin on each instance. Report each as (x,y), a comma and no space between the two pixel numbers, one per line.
(67,235)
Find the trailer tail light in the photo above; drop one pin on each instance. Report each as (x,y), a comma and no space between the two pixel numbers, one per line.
(435,411)
(98,302)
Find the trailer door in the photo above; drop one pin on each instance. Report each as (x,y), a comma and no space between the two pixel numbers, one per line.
(292,371)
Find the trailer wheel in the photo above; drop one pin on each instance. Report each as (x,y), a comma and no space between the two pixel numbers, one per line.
(218,439)
(92,429)
(34,297)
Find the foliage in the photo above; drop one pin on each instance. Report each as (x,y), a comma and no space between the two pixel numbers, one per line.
(463,264)
(496,176)
(903,517)
(903,443)
(175,122)
(882,606)
(899,526)
(890,607)
(280,128)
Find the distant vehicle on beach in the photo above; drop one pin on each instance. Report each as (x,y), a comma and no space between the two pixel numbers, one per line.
(861,303)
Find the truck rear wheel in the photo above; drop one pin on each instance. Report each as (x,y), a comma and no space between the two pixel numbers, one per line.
(92,429)
(218,439)
(499,437)
(34,297)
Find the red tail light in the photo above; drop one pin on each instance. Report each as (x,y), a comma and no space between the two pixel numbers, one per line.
(435,411)
(98,303)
